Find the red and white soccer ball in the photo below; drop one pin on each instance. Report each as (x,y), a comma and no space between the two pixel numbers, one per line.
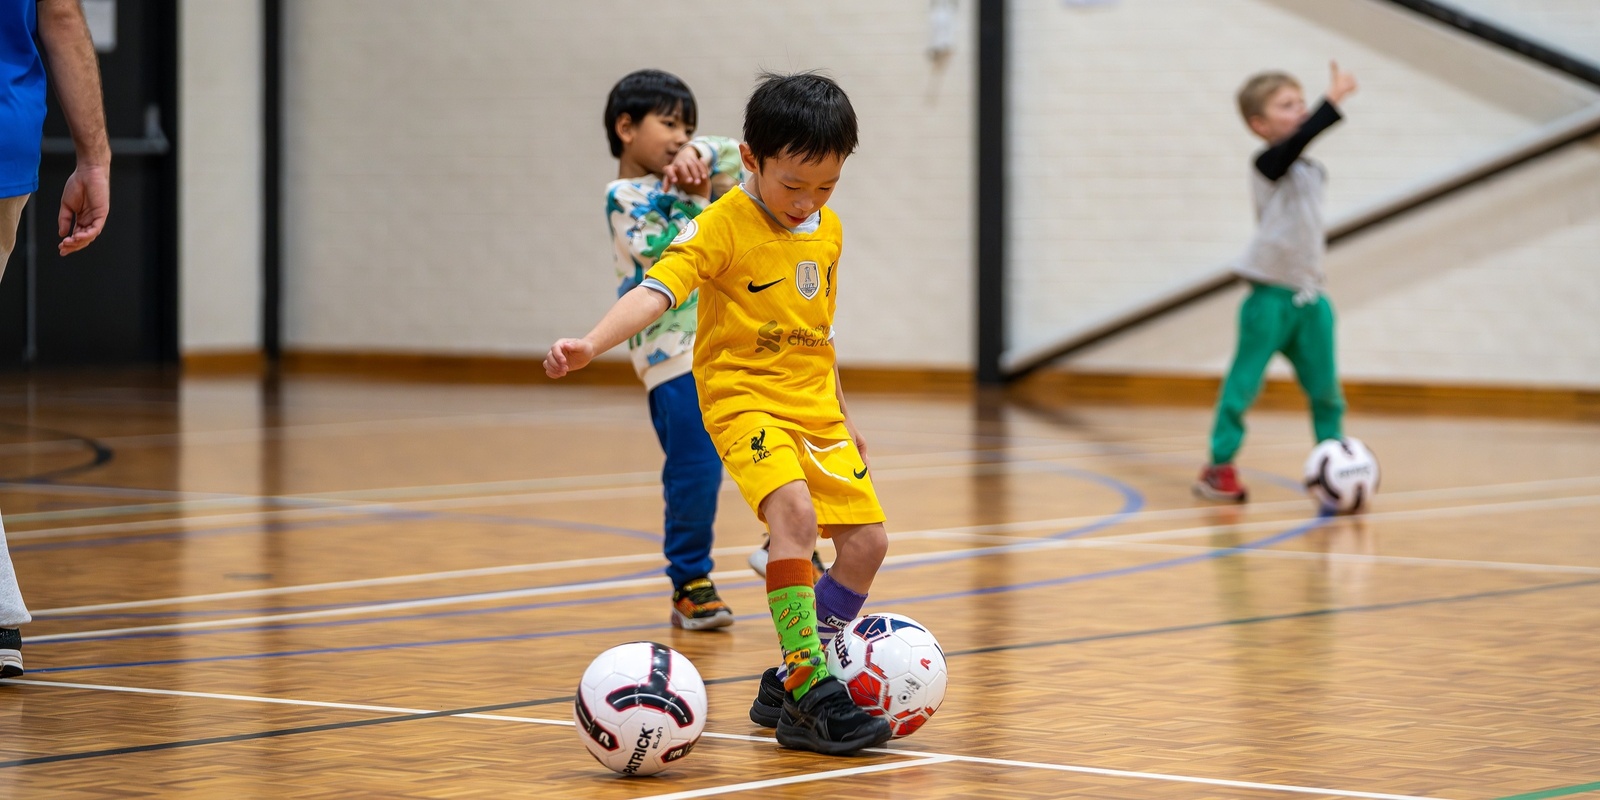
(1341,475)
(893,667)
(641,706)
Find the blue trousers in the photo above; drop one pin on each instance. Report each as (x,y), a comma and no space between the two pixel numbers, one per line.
(690,478)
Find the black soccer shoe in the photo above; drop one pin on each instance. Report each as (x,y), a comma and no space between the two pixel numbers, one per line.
(827,721)
(11,653)
(768,705)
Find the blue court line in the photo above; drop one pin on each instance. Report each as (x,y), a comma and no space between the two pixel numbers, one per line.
(1274,478)
(350,517)
(367,621)
(1132,501)
(294,609)
(1268,541)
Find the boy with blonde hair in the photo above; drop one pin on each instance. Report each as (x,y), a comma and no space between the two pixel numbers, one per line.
(1286,310)
(765,259)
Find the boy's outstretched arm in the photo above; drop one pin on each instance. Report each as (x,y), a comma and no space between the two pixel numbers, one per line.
(631,313)
(1341,83)
(1274,162)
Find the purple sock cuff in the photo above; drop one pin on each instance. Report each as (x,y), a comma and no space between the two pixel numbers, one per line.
(836,604)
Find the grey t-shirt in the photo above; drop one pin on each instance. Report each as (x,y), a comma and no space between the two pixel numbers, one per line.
(1290,240)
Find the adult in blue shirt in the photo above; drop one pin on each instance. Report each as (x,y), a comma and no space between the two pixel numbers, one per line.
(86,199)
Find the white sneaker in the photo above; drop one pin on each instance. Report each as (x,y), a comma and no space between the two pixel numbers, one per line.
(758,561)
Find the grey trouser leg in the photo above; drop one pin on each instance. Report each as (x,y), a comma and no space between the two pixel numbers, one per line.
(13,611)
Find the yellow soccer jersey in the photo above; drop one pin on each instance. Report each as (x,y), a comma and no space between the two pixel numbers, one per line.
(764,348)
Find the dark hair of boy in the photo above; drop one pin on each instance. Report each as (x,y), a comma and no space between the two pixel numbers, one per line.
(644,91)
(805,115)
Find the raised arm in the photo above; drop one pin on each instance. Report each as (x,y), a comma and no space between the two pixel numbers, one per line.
(631,313)
(1275,161)
(74,71)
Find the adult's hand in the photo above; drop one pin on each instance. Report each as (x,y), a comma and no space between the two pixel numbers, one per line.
(85,203)
(75,73)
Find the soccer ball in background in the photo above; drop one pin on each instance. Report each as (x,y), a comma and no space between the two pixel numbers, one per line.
(641,706)
(1341,475)
(893,667)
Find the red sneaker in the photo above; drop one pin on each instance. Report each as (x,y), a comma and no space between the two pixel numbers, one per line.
(1220,482)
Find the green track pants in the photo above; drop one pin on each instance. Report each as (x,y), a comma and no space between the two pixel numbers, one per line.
(1270,322)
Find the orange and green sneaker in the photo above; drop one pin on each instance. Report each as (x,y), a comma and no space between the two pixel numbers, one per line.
(696,606)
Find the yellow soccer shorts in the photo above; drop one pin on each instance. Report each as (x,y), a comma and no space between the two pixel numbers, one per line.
(768,457)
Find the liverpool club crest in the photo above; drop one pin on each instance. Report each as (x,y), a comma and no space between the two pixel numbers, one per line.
(807,279)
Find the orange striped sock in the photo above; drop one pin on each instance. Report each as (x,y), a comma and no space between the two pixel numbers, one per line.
(793,604)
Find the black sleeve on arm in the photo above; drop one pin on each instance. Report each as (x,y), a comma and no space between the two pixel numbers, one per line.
(1274,162)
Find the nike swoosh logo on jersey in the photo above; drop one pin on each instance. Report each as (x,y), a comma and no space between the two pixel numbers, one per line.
(755,287)
(861,474)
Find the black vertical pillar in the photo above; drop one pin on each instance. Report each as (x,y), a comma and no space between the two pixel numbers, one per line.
(271,181)
(991,212)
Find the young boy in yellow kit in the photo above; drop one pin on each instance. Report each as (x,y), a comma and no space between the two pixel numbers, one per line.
(765,259)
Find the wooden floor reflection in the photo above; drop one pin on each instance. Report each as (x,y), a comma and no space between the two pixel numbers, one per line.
(332,588)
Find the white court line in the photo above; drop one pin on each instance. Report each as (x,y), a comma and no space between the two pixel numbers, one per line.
(315,505)
(310,430)
(1161,776)
(646,480)
(510,569)
(802,778)
(1364,558)
(1012,546)
(545,490)
(652,490)
(1009,544)
(1544,503)
(432,602)
(924,758)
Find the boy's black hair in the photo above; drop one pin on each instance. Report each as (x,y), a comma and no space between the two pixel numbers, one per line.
(804,114)
(642,92)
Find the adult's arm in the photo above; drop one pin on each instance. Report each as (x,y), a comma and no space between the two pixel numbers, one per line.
(75,73)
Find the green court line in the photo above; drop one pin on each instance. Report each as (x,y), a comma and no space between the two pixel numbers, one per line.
(1562,791)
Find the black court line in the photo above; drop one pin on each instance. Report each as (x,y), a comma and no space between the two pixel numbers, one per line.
(101,453)
(1319,612)
(245,737)
(1198,626)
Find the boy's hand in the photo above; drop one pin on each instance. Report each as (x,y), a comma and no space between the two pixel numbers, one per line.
(861,444)
(567,355)
(687,171)
(1341,84)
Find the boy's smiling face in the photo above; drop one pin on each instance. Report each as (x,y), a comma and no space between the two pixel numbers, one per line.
(791,187)
(1282,115)
(650,144)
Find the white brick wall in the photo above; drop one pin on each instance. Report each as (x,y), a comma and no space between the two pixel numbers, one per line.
(1130,160)
(1130,172)
(446,163)
(444,168)
(219,145)
(1497,286)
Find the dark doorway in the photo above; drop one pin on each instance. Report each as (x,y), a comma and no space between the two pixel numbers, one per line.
(116,302)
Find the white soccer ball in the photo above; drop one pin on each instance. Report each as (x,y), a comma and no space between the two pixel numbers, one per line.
(893,667)
(1341,475)
(641,706)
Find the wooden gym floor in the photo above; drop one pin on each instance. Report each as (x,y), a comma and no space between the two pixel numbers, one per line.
(334,588)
